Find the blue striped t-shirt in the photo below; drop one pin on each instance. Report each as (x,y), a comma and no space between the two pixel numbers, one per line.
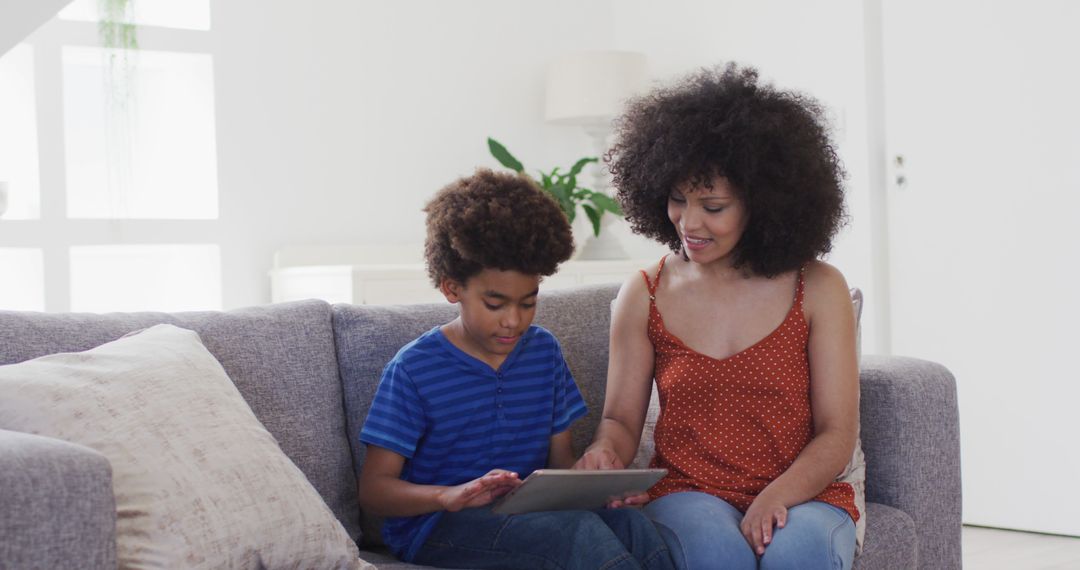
(454,418)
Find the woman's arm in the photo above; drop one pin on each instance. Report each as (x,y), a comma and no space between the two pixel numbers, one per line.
(384,493)
(560,452)
(629,381)
(834,403)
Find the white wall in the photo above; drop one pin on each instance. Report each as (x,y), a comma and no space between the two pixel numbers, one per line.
(814,47)
(336,122)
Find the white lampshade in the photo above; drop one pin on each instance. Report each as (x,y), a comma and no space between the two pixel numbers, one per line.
(590,88)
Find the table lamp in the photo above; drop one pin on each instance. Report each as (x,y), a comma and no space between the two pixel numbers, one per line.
(589,89)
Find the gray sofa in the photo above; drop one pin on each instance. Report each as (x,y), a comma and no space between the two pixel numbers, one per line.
(309,370)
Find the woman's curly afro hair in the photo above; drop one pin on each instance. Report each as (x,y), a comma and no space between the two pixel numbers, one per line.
(772,146)
(494,221)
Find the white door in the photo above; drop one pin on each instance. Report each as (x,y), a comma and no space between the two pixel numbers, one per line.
(983,106)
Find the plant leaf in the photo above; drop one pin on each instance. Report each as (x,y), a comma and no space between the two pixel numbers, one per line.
(503,156)
(562,195)
(594,217)
(605,203)
(576,169)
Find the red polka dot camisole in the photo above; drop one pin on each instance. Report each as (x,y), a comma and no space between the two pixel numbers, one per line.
(730,427)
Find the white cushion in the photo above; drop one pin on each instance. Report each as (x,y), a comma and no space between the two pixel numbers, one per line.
(198,481)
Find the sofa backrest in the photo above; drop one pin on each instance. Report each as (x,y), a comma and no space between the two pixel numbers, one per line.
(368,336)
(281,358)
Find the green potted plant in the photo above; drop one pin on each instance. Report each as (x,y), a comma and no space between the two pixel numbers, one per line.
(564,187)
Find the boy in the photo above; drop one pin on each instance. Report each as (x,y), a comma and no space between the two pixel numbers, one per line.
(468,409)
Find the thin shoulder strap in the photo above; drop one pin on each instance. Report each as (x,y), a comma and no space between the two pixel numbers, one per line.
(652,285)
(799,288)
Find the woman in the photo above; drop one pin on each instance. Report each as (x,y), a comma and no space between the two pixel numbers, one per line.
(751,339)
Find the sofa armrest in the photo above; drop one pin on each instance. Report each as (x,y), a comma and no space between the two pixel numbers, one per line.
(56,504)
(911,438)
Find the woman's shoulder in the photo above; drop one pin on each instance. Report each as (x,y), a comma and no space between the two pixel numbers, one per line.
(824,286)
(633,297)
(639,280)
(821,273)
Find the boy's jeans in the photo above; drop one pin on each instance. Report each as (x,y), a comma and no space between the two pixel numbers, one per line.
(556,540)
(703,532)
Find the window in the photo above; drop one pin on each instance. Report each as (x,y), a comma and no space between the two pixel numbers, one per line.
(26,290)
(141,277)
(168,170)
(110,205)
(182,14)
(18,136)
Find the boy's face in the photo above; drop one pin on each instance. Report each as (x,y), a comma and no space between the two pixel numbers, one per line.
(497,307)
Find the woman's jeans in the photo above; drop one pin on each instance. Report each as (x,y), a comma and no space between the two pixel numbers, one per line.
(702,532)
(557,540)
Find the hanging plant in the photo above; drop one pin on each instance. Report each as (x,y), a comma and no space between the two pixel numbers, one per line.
(119,38)
(114,24)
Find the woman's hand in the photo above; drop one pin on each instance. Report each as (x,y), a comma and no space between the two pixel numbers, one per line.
(599,457)
(635,500)
(479,492)
(757,524)
(603,458)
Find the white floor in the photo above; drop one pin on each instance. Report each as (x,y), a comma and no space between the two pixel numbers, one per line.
(993,549)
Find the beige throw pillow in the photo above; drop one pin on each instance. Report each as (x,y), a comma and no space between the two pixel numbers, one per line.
(198,481)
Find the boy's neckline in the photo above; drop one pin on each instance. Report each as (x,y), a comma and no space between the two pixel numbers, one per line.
(475,361)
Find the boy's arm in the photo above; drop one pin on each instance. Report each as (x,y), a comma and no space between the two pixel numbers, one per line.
(560,452)
(384,493)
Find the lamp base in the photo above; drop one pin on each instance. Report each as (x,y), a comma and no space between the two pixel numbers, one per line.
(604,246)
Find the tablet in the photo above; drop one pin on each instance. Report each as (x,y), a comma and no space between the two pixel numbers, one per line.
(564,489)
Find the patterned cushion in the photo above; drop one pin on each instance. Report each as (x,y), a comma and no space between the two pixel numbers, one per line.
(198,481)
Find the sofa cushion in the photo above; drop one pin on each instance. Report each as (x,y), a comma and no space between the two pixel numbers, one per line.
(198,481)
(891,541)
(368,336)
(281,358)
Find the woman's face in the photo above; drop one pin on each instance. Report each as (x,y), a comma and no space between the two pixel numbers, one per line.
(709,221)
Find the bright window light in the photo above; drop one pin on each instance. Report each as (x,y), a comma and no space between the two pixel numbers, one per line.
(183,277)
(22,287)
(18,134)
(185,14)
(148,152)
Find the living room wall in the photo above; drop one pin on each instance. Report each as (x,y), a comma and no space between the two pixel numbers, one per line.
(338,121)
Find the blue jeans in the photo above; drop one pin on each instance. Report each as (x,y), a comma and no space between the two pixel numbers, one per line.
(606,539)
(702,532)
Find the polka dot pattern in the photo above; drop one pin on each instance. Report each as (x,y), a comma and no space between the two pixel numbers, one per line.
(730,427)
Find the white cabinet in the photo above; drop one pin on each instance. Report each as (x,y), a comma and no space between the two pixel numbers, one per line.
(408,283)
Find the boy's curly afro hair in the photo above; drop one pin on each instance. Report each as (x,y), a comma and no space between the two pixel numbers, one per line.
(772,146)
(494,221)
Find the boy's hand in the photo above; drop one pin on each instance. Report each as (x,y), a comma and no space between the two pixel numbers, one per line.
(757,524)
(599,458)
(479,492)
